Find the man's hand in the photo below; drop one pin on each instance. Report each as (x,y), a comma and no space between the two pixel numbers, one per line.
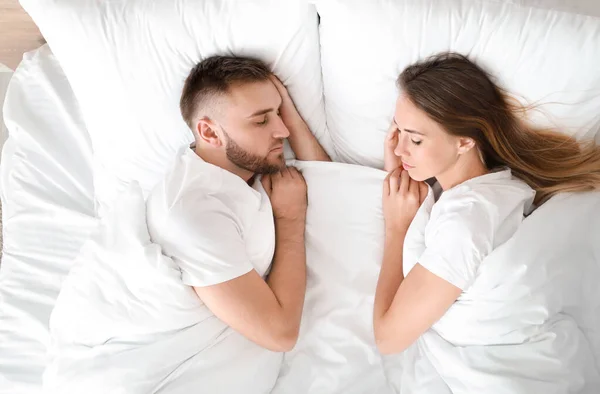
(303,142)
(288,110)
(287,192)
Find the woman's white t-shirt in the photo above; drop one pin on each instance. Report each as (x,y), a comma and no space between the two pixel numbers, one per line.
(466,223)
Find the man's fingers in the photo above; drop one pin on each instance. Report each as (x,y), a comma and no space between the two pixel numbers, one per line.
(266,182)
(293,171)
(278,84)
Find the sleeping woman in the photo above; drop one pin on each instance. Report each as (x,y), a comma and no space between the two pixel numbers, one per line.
(452,123)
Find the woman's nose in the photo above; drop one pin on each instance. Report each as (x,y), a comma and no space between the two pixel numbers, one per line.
(401,147)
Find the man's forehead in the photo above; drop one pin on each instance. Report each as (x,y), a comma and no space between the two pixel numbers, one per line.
(254,96)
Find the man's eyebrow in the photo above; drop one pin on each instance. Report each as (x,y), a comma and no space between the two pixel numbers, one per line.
(261,112)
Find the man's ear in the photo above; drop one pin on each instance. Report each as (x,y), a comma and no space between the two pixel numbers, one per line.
(465,144)
(207,132)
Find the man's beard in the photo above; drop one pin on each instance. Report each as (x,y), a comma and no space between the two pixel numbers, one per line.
(249,161)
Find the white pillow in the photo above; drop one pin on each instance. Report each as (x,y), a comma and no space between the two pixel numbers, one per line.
(127,62)
(541,54)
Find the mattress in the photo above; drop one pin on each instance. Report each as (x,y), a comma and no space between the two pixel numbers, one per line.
(46,191)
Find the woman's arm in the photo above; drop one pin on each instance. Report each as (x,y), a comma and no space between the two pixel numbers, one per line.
(404,313)
(405,307)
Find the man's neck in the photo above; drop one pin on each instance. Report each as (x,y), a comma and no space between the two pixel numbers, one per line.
(219,160)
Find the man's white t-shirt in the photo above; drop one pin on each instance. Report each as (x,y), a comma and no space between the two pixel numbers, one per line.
(465,225)
(215,227)
(211,222)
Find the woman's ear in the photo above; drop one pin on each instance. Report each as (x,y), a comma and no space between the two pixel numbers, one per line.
(465,144)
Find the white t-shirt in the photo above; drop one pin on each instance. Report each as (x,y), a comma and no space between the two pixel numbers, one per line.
(452,236)
(211,222)
(215,227)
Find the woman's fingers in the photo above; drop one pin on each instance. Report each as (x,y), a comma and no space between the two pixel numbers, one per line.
(395,180)
(386,185)
(404,183)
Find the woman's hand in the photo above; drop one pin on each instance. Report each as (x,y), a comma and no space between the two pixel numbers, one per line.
(390,160)
(402,197)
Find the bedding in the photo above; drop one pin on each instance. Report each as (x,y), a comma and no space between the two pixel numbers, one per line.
(529,322)
(535,302)
(47,202)
(144,50)
(124,305)
(547,273)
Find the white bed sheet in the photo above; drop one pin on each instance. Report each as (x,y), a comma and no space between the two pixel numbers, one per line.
(46,189)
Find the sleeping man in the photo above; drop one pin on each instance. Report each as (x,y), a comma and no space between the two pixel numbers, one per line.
(180,300)
(222,225)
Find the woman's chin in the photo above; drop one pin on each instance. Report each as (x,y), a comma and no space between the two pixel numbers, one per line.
(415,176)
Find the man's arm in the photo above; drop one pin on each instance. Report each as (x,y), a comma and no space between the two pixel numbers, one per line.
(268,313)
(303,142)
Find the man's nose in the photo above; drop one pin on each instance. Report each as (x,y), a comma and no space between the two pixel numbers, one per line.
(281,131)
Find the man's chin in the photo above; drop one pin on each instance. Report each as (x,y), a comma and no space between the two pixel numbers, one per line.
(272,166)
(279,162)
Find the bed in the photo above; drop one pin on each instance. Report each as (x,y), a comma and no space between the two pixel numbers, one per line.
(52,193)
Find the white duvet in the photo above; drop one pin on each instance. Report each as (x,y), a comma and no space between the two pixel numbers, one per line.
(124,323)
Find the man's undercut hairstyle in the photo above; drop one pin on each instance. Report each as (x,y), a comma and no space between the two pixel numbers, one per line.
(213,77)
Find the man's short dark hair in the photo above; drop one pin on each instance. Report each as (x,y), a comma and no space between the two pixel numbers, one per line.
(213,76)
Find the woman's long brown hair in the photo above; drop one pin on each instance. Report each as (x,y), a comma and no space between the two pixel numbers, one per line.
(461,97)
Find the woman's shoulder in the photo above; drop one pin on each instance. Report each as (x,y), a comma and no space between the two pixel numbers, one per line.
(484,202)
(487,192)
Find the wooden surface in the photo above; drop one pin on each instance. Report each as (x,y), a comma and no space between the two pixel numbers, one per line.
(18,33)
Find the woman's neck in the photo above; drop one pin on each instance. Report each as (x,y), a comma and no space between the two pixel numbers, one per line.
(465,168)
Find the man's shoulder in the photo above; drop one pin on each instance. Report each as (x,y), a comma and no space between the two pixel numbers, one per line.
(190,214)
